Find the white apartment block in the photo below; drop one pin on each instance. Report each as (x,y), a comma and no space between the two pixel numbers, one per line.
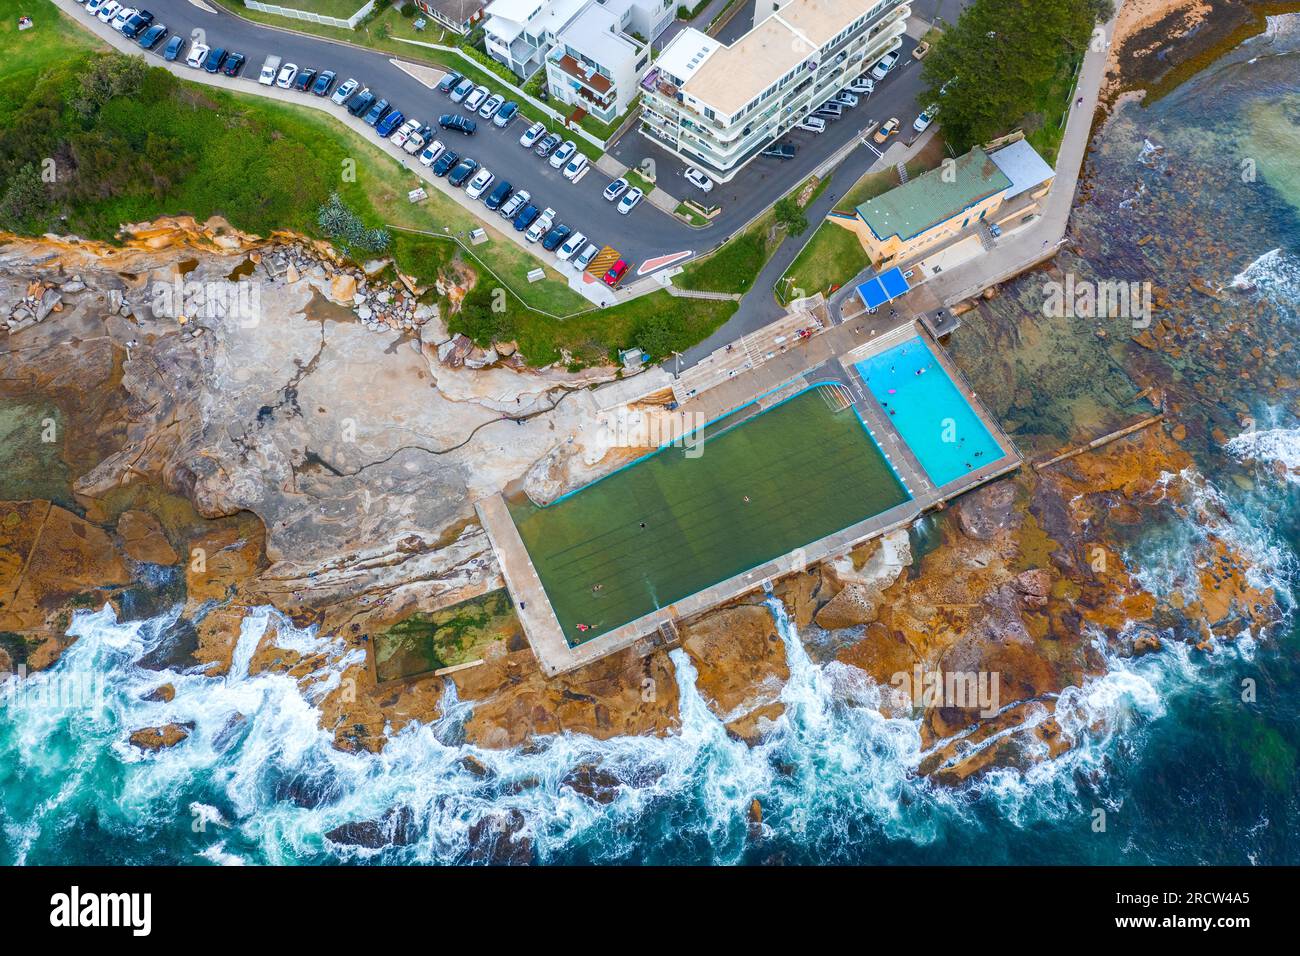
(595,64)
(717,106)
(520,33)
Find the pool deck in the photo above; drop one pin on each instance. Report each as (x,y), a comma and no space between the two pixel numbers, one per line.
(827,357)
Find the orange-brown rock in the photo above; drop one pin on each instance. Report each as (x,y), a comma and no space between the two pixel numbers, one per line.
(160,738)
(741,662)
(143,538)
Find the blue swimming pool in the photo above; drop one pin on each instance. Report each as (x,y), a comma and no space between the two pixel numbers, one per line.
(928,410)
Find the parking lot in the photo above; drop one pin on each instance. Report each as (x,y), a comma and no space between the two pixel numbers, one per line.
(643,233)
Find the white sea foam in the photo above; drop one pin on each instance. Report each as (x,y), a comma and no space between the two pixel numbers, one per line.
(1274,275)
(1270,445)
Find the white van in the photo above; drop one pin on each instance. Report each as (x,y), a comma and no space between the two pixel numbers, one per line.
(269,69)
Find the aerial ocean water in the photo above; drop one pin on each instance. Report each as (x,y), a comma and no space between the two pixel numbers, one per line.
(1184,769)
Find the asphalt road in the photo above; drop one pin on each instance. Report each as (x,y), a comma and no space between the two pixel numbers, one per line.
(644,233)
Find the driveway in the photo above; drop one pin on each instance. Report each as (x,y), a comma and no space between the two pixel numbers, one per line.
(647,231)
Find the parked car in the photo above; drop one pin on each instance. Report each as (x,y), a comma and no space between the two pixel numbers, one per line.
(475,99)
(813,124)
(889,129)
(174,48)
(489,109)
(448,82)
(140,21)
(324,80)
(698,179)
(431,152)
(561,155)
(198,53)
(415,142)
(270,70)
(830,110)
(461,124)
(557,234)
(884,65)
(303,80)
(391,121)
(571,245)
(398,130)
(216,56)
(445,162)
(547,145)
(532,135)
(284,79)
(461,90)
(846,99)
(505,115)
(514,203)
(233,65)
(375,113)
(925,118)
(583,259)
(615,189)
(462,171)
(629,200)
(153,36)
(574,168)
(94,6)
(540,225)
(920,50)
(346,89)
(615,273)
(783,151)
(479,184)
(525,217)
(863,84)
(121,17)
(498,196)
(108,11)
(361,102)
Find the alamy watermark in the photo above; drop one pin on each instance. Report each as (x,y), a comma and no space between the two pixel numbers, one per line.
(965,690)
(1098,299)
(624,427)
(57,690)
(239,300)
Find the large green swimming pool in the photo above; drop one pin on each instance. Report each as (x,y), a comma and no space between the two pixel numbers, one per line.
(669,525)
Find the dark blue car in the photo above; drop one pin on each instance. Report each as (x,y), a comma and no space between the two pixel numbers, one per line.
(360,102)
(323,83)
(526,217)
(389,123)
(463,171)
(498,195)
(213,62)
(556,236)
(131,29)
(376,112)
(444,163)
(174,48)
(153,36)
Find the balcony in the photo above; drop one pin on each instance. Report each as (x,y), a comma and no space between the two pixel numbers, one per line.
(589,84)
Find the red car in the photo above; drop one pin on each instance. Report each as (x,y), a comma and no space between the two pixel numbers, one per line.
(615,273)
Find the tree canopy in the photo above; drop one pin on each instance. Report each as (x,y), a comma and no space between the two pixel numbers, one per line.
(990,70)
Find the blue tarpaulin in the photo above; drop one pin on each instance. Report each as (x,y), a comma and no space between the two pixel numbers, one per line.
(883,288)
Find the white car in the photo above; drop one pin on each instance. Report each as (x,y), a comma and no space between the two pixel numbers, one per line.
(516,202)
(615,189)
(575,167)
(541,226)
(884,65)
(561,155)
(629,200)
(431,153)
(698,179)
(481,181)
(583,259)
(532,135)
(346,89)
(400,137)
(813,124)
(845,98)
(863,84)
(198,53)
(286,77)
(94,6)
(926,117)
(571,245)
(120,18)
(414,143)
(108,11)
(489,109)
(475,99)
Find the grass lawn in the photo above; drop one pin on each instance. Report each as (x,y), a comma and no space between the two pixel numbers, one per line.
(734,267)
(691,215)
(832,256)
(636,179)
(1053,106)
(326,8)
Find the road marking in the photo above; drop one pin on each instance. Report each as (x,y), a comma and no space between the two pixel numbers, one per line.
(202,6)
(424,75)
(658,262)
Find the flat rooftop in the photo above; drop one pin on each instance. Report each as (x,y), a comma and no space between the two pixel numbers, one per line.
(934,196)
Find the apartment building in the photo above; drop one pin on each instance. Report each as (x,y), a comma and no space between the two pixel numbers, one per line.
(717,106)
(594,64)
(520,33)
